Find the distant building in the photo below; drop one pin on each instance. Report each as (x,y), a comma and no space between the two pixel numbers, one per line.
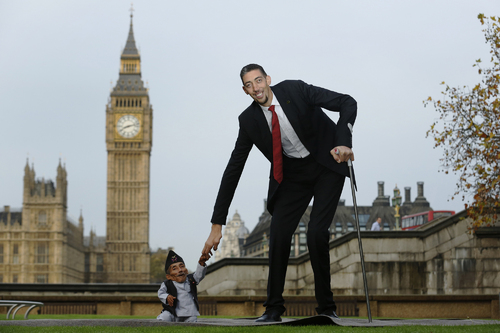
(94,251)
(343,221)
(256,244)
(129,140)
(39,243)
(233,239)
(157,267)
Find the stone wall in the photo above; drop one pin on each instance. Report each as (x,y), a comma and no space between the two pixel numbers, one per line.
(401,306)
(441,259)
(142,299)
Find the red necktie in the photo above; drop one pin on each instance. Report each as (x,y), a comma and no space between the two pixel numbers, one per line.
(277,152)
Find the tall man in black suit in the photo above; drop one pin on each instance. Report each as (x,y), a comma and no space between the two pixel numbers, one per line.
(308,165)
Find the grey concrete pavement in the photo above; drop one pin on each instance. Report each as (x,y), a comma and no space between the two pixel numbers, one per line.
(316,320)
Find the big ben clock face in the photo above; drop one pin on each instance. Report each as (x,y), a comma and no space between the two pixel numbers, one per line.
(128,126)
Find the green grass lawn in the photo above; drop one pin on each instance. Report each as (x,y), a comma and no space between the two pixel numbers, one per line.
(265,329)
(74,316)
(205,329)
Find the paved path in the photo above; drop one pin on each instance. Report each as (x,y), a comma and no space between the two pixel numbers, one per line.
(316,320)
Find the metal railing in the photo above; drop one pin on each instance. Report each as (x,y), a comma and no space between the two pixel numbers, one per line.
(16,305)
(308,308)
(304,308)
(69,308)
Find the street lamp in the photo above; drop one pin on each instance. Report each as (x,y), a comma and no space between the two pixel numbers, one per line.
(396,202)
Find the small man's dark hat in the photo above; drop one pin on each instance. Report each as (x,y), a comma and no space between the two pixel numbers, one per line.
(172,258)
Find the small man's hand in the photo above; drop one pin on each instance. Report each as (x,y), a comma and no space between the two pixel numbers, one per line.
(203,259)
(170,300)
(213,240)
(342,154)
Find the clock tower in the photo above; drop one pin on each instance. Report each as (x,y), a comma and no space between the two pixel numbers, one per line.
(129,124)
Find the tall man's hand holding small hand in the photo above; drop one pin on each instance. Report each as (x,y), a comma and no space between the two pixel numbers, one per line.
(342,154)
(203,259)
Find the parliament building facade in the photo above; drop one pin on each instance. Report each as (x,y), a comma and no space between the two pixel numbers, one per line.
(41,244)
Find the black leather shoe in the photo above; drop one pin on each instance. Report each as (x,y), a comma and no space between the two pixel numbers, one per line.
(269,316)
(331,314)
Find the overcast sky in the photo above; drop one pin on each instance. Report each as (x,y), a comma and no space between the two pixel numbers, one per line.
(58,59)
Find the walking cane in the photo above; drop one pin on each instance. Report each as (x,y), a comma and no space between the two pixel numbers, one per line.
(349,164)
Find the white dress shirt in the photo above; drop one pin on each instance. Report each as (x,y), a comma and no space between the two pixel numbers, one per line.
(292,147)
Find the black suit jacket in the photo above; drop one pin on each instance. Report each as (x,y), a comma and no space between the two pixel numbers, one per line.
(302,105)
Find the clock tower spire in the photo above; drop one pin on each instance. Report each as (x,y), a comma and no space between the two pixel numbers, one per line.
(129,117)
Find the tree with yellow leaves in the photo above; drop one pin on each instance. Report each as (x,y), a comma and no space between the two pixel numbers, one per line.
(469,131)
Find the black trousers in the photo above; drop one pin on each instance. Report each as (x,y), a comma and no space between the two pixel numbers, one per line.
(303,179)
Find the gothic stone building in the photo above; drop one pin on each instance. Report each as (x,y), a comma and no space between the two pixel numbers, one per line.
(233,239)
(344,221)
(39,244)
(129,125)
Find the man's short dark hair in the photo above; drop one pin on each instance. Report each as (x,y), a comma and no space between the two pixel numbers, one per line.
(251,67)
